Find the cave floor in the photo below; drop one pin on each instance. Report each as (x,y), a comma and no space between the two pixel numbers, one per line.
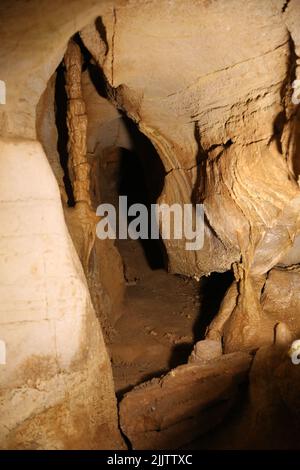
(156,330)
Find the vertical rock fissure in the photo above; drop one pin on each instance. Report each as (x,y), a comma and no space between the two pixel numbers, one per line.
(62,131)
(113,45)
(285,5)
(284,117)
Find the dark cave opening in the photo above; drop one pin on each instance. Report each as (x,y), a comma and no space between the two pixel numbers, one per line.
(140,170)
(141,179)
(60,105)
(212,291)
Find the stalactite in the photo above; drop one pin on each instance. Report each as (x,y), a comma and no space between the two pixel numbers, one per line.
(77,124)
(82,218)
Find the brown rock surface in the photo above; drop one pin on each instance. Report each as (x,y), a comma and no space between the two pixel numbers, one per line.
(187,402)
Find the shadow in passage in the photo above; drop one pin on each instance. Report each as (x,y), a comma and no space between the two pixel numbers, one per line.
(212,291)
(61,107)
(180,354)
(295,136)
(142,176)
(290,115)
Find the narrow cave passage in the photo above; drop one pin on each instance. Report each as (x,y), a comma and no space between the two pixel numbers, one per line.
(153,325)
(141,180)
(155,331)
(162,315)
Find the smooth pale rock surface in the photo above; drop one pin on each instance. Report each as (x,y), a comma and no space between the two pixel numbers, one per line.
(49,372)
(34,46)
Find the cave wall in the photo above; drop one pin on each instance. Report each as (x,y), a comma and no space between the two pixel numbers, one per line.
(205,107)
(227,130)
(56,386)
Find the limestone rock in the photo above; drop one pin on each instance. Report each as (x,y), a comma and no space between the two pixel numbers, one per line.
(206,350)
(187,402)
